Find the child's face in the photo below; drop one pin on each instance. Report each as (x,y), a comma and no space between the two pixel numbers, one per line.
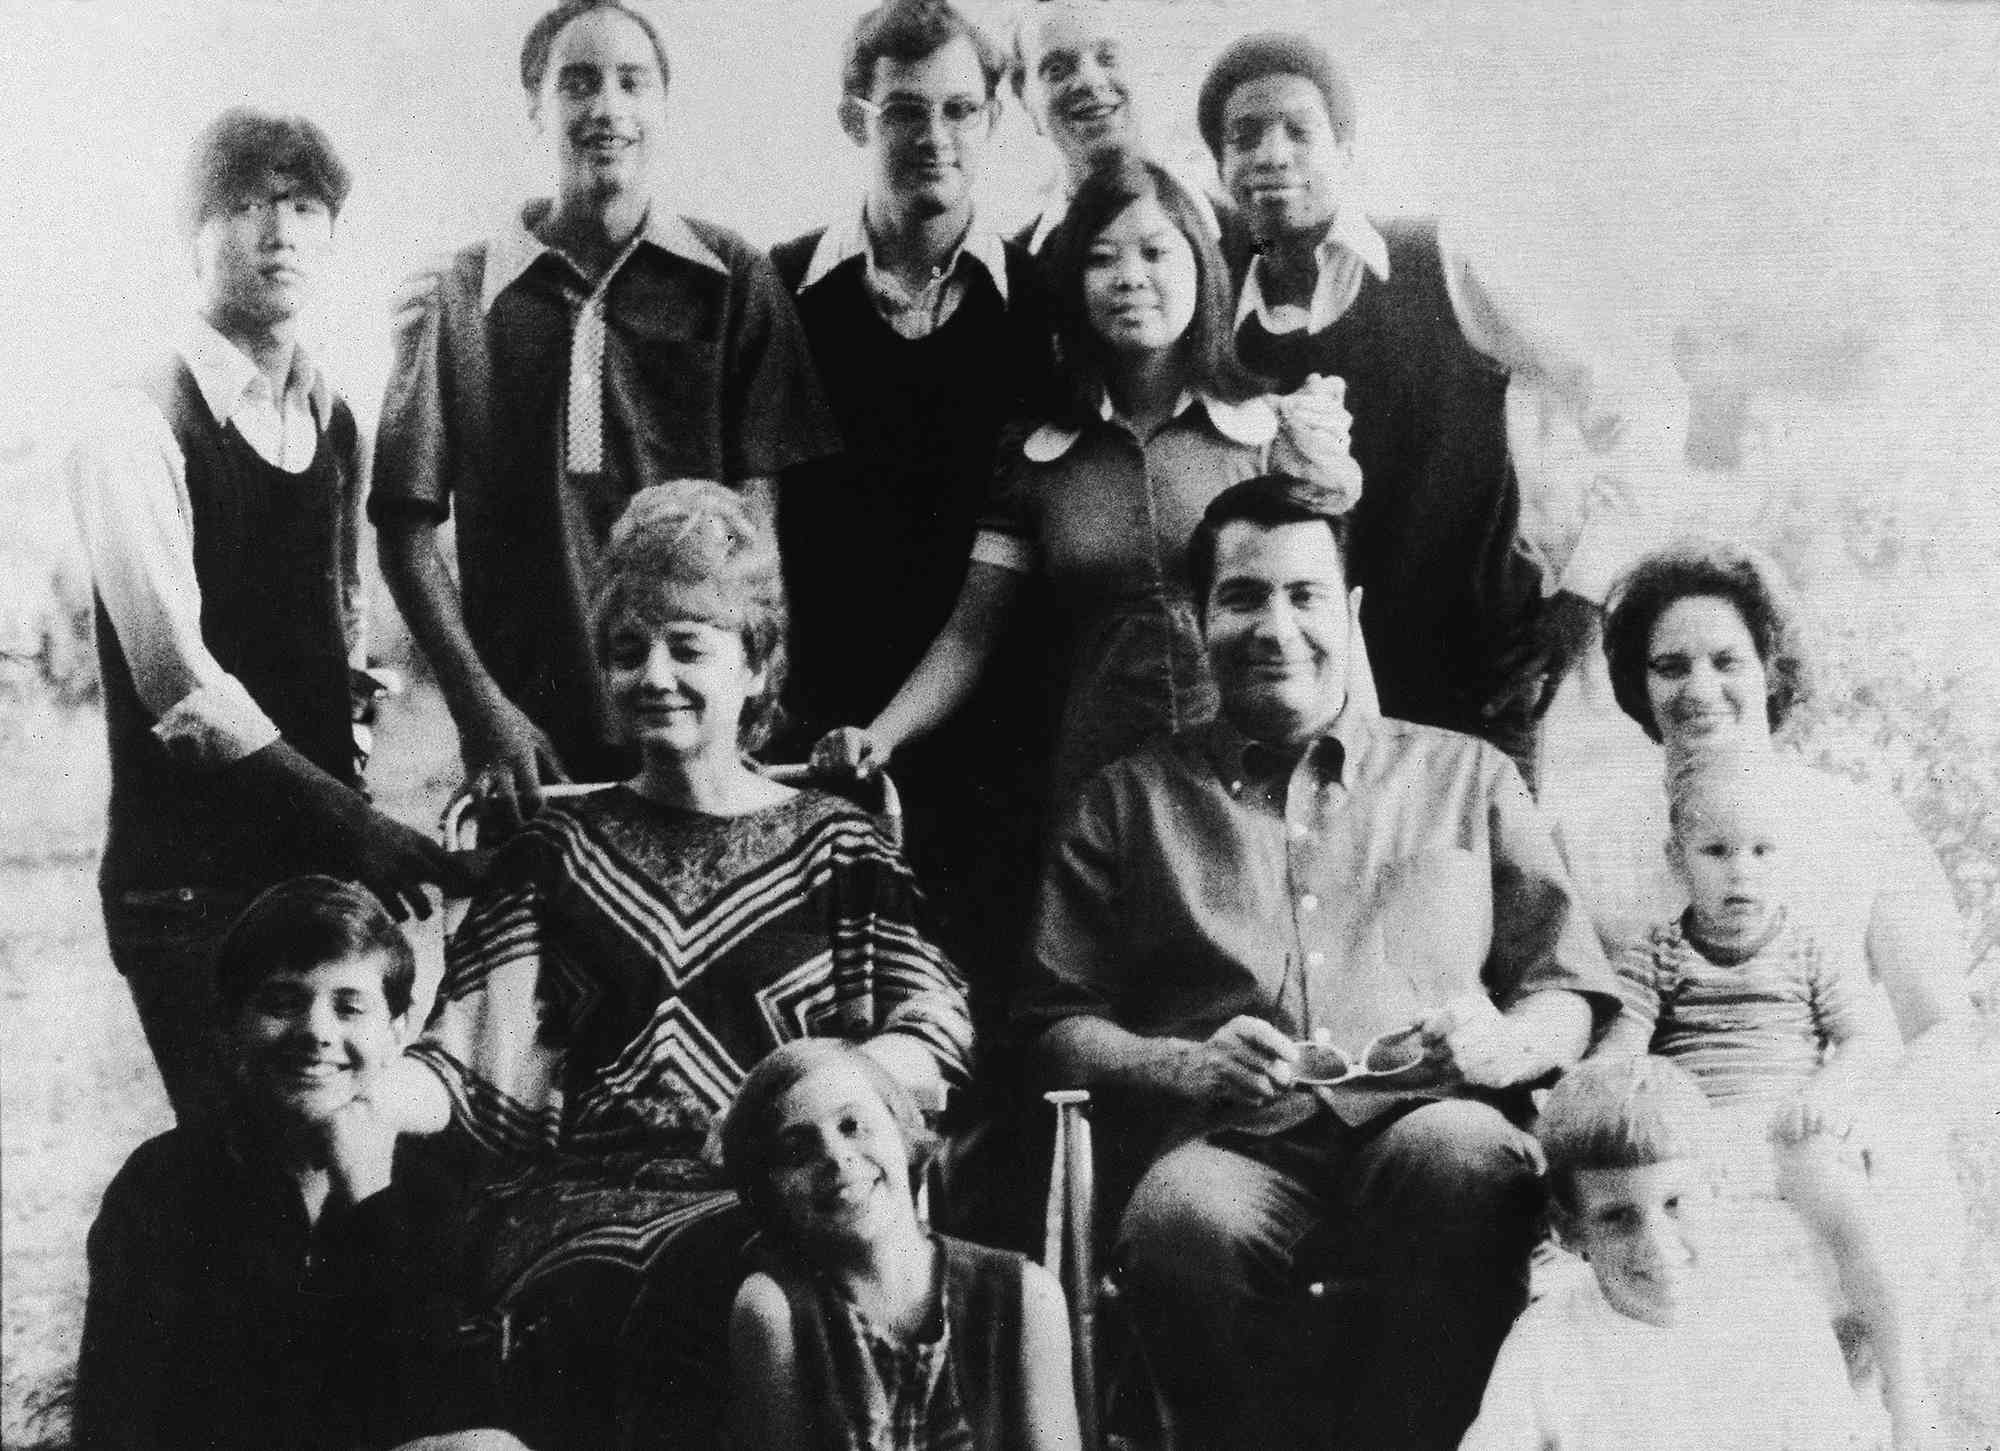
(840,1168)
(1729,848)
(309,1041)
(1642,1230)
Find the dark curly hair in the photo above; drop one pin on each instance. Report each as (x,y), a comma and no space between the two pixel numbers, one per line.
(1272,53)
(1694,568)
(1119,178)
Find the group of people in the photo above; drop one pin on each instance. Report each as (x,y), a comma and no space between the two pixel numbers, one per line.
(1172,555)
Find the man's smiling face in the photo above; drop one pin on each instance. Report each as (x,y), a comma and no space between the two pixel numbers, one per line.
(603,103)
(1073,81)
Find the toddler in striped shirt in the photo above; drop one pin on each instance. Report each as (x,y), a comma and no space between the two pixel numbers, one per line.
(1779,1033)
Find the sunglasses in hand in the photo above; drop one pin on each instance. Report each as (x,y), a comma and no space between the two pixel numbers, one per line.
(1324,1065)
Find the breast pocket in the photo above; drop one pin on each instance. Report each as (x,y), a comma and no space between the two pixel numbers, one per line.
(675,407)
(1434,913)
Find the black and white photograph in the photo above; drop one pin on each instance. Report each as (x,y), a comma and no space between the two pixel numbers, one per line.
(1000,725)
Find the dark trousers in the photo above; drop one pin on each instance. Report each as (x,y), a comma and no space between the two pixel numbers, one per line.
(1437,1208)
(163,943)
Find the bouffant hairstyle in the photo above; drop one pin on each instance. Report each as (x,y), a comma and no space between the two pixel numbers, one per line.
(1694,568)
(1272,53)
(692,550)
(749,1131)
(304,923)
(1119,178)
(1621,1111)
(242,148)
(1269,501)
(911,30)
(542,36)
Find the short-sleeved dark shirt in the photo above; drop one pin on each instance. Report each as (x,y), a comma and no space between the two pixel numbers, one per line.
(706,375)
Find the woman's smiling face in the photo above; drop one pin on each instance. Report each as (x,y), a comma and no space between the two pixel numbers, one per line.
(1705,681)
(679,686)
(1141,283)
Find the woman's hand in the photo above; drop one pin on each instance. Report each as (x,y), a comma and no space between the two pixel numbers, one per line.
(850,751)
(1314,434)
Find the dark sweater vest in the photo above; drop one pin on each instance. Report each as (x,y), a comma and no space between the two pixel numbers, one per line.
(267,557)
(1448,589)
(876,539)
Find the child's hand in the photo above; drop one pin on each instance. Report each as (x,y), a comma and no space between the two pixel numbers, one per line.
(360,1146)
(1815,1112)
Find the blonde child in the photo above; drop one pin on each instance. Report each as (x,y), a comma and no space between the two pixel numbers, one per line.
(1673,1341)
(1778,1032)
(863,1329)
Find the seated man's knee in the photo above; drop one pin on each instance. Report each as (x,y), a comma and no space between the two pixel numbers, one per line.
(1204,1220)
(1457,1169)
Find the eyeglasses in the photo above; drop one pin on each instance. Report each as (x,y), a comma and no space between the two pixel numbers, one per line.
(908,115)
(1323,1065)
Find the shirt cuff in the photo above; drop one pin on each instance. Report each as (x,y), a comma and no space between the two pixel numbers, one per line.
(1004,551)
(216,725)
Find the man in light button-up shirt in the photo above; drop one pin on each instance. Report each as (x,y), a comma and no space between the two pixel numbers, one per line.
(1305,870)
(218,503)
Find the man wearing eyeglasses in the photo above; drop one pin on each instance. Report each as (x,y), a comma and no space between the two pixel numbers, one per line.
(928,332)
(1311,959)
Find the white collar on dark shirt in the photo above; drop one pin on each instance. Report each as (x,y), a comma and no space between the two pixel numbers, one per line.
(1352,235)
(515,247)
(226,377)
(1253,423)
(848,237)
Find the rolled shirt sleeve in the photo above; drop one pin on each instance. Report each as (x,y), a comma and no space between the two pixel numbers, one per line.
(1073,947)
(1543,940)
(128,491)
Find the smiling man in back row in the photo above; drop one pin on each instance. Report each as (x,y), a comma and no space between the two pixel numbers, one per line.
(597,344)
(1473,619)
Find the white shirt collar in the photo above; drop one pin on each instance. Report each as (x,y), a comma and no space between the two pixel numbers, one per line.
(225,376)
(515,248)
(1352,233)
(848,237)
(1252,423)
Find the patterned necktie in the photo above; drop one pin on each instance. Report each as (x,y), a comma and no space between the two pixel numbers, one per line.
(583,451)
